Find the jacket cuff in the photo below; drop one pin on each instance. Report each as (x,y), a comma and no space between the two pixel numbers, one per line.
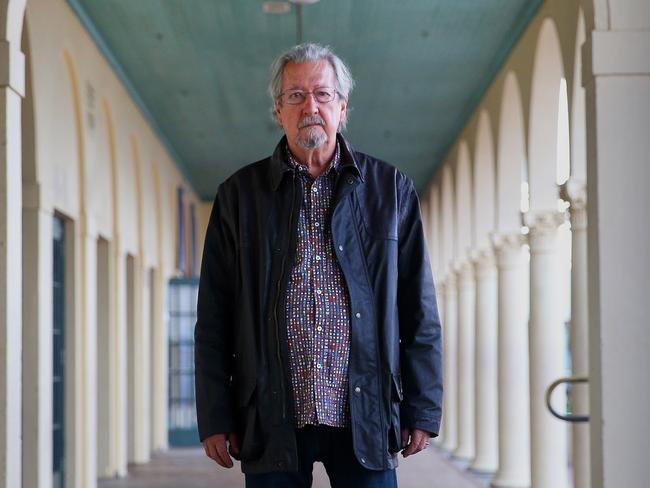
(206,429)
(413,420)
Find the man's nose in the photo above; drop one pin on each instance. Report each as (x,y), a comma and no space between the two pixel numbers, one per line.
(310,105)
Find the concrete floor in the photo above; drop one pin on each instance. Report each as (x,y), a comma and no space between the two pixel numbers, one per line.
(189,468)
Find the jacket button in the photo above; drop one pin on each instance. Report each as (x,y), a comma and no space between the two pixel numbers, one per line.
(340,248)
(357,315)
(357,390)
(350,181)
(363,460)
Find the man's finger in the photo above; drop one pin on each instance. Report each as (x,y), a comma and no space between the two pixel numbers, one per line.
(222,452)
(410,449)
(419,440)
(212,451)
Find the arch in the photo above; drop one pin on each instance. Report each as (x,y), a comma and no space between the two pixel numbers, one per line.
(511,156)
(544,109)
(465,231)
(448,222)
(578,115)
(563,159)
(484,182)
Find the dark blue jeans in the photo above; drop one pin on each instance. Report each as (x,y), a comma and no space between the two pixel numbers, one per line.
(333,447)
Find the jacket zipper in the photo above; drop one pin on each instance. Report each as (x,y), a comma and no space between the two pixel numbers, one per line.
(277,300)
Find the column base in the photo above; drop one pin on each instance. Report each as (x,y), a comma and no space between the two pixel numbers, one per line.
(509,481)
(462,454)
(483,467)
(449,449)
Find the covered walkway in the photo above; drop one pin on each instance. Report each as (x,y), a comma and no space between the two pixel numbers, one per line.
(535,207)
(190,468)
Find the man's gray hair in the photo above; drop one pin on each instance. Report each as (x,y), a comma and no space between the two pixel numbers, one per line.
(311,53)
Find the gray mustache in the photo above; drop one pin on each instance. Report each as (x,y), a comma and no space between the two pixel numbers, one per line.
(312,119)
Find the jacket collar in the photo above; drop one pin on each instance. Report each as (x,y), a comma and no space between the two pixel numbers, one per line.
(278,166)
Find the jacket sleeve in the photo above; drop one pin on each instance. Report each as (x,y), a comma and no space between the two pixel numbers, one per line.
(213,335)
(420,334)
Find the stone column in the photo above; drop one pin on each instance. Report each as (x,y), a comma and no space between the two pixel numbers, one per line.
(449,344)
(485,406)
(549,461)
(575,192)
(465,378)
(12,90)
(512,353)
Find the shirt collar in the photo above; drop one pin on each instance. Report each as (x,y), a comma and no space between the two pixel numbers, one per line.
(303,169)
(278,166)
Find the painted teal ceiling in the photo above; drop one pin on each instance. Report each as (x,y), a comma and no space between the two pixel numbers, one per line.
(199,71)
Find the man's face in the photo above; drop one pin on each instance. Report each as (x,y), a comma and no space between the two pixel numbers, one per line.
(310,124)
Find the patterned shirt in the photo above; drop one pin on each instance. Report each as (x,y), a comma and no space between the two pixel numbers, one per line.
(317,309)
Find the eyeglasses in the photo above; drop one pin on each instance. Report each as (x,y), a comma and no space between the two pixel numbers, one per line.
(296,97)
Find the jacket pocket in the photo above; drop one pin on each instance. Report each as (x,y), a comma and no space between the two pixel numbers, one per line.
(394,428)
(251,442)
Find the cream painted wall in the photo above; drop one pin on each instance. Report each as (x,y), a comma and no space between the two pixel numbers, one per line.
(60,46)
(100,164)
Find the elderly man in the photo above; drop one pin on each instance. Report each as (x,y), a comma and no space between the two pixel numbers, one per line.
(317,337)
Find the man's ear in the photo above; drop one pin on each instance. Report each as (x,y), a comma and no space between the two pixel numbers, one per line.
(344,112)
(277,111)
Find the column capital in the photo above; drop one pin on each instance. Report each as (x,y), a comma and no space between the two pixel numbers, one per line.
(543,229)
(575,192)
(484,261)
(507,240)
(450,280)
(508,248)
(464,270)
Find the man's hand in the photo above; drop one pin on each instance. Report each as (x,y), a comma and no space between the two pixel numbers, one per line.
(414,441)
(215,448)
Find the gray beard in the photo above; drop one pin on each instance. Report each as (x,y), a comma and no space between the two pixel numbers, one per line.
(315,138)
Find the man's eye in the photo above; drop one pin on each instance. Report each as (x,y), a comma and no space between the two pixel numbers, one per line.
(295,95)
(322,93)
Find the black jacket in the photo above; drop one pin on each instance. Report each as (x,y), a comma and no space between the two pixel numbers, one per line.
(242,373)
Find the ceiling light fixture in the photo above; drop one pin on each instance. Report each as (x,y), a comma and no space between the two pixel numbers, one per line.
(276,7)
